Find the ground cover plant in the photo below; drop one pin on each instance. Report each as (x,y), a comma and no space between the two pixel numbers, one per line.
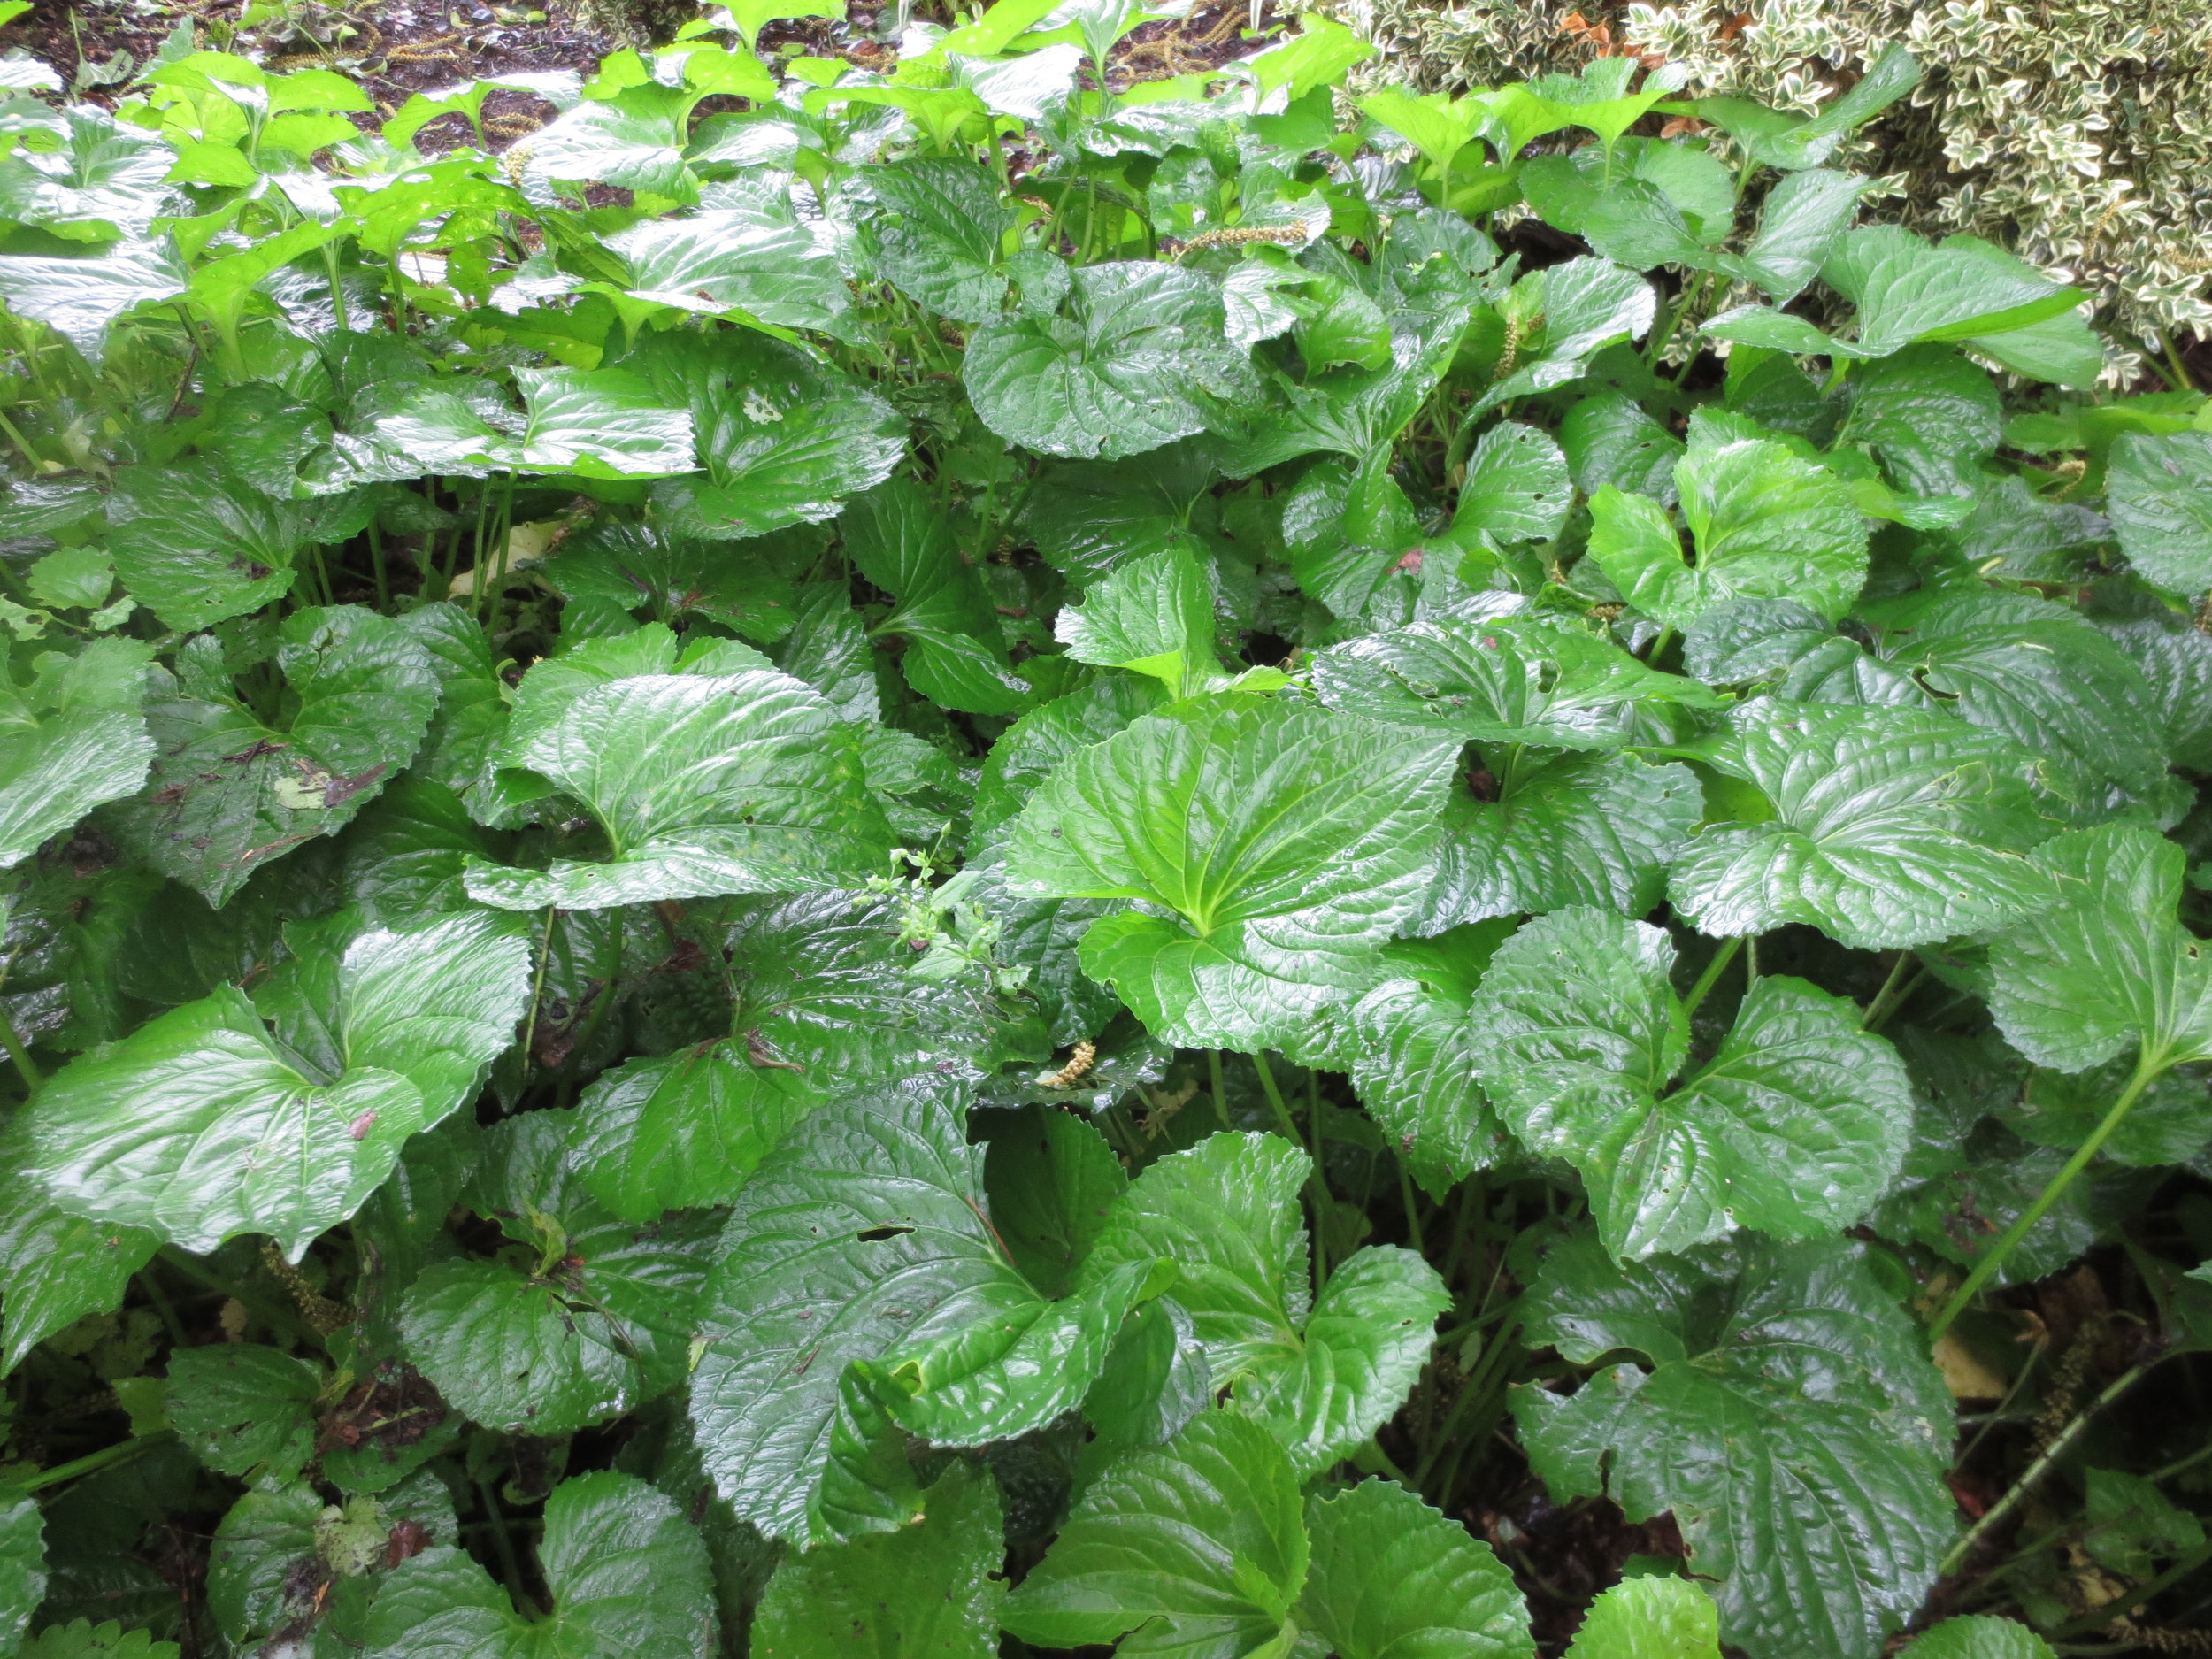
(959,859)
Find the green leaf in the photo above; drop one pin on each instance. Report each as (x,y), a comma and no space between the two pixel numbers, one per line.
(2108,963)
(1088,516)
(282,1560)
(1576,308)
(1764,522)
(783,437)
(1391,1576)
(1891,828)
(938,234)
(73,738)
(1931,415)
(1796,1126)
(824,982)
(82,1639)
(863,1237)
(1978,1637)
(1576,829)
(204,1122)
(956,652)
(597,1322)
(746,253)
(703,784)
(1289,842)
(685,1130)
(55,1268)
(931,1589)
(1153,616)
(1649,1618)
(1415,1072)
(1322,1374)
(1516,677)
(245,1408)
(81,299)
(2160,487)
(1197,1550)
(196,547)
(1053,1182)
(595,423)
(2043,675)
(628,1575)
(1906,290)
(1351,411)
(680,578)
(230,794)
(1784,1385)
(1140,361)
(22,1563)
(1516,487)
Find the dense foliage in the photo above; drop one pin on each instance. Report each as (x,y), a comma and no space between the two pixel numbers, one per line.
(938,861)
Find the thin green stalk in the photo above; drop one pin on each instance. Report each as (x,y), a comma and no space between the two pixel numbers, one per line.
(537,986)
(1659,643)
(92,1463)
(2089,1624)
(2043,1464)
(1714,969)
(2180,1463)
(24,1067)
(1413,1215)
(1221,1094)
(1884,998)
(2145,1070)
(162,1306)
(510,1564)
(1317,1188)
(482,568)
(376,558)
(2179,370)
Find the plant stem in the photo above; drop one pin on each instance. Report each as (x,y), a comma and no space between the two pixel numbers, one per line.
(2089,1622)
(24,1068)
(2146,1068)
(1221,1095)
(1892,996)
(1317,1190)
(510,1564)
(2019,1490)
(537,988)
(107,1457)
(1706,980)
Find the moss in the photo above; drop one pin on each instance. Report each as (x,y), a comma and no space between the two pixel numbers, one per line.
(2077,132)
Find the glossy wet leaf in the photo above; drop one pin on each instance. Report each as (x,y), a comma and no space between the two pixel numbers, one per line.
(1782,1381)
(55,1268)
(204,1124)
(954,654)
(930,1588)
(863,1238)
(703,784)
(1514,677)
(1321,1373)
(1795,1126)
(1198,1548)
(783,438)
(1891,828)
(244,1408)
(2158,486)
(72,739)
(1287,842)
(1576,829)
(627,1573)
(1764,523)
(2107,962)
(1140,361)
(1649,1618)
(1388,1575)
(229,794)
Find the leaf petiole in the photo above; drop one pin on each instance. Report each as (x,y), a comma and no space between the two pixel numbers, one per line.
(2146,1071)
